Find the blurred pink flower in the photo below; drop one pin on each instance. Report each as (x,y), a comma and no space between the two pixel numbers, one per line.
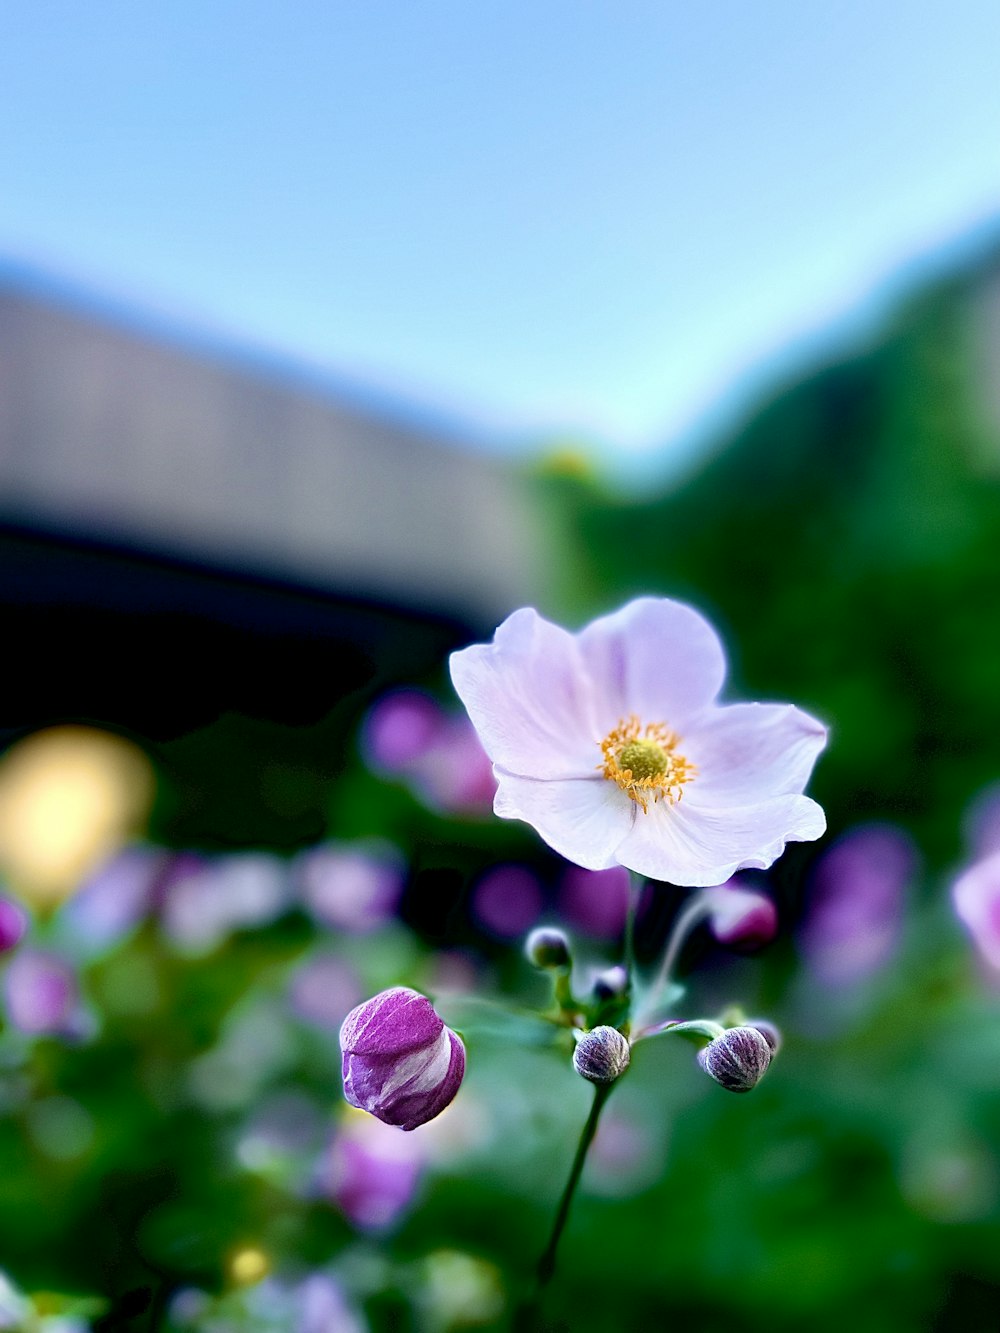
(976,896)
(116,897)
(595,737)
(42,994)
(323,990)
(371,1172)
(982,823)
(625,1158)
(351,886)
(13,924)
(595,901)
(399,730)
(857,902)
(408,735)
(205,901)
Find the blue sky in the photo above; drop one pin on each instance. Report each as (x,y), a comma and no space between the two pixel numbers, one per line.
(555,216)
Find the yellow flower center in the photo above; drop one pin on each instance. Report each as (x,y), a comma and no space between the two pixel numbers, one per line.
(644,762)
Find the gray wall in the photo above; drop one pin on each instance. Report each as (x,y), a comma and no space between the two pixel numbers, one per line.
(112,434)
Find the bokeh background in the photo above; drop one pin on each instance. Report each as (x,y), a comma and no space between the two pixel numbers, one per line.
(328,336)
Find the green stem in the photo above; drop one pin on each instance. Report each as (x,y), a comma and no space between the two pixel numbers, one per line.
(694,913)
(635,883)
(547,1263)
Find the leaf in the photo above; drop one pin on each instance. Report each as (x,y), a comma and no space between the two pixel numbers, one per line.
(472,1016)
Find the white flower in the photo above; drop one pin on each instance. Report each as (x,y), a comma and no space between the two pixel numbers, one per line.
(611,743)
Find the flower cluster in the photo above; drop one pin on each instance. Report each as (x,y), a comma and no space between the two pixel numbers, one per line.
(613,745)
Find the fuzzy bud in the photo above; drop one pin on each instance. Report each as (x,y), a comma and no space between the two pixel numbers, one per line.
(401,1063)
(768,1031)
(611,984)
(738,1059)
(548,948)
(601,1055)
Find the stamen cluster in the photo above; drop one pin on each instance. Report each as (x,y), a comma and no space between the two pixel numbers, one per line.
(644,762)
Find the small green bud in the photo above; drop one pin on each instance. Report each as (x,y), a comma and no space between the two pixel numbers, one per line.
(548,948)
(602,1055)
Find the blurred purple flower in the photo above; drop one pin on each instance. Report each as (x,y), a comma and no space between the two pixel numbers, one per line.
(408,735)
(42,994)
(857,903)
(323,989)
(740,913)
(982,823)
(625,1157)
(455,775)
(976,896)
(371,1173)
(507,901)
(13,924)
(209,900)
(596,901)
(319,1306)
(352,887)
(116,897)
(400,1062)
(399,730)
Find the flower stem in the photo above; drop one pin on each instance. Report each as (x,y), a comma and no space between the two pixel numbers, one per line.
(547,1263)
(635,884)
(694,913)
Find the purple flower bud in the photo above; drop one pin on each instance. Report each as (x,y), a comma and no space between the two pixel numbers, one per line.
(601,1055)
(401,1063)
(768,1031)
(547,947)
(738,1059)
(13,924)
(740,914)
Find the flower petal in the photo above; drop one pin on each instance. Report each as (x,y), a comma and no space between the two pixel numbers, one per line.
(699,847)
(582,819)
(656,658)
(746,753)
(976,896)
(529,699)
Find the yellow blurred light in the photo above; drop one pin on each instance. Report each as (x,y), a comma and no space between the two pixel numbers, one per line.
(248,1266)
(69,797)
(462,1289)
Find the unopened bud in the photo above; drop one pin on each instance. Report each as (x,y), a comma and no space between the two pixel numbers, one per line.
(547,948)
(611,984)
(401,1063)
(738,1059)
(601,1055)
(740,915)
(768,1031)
